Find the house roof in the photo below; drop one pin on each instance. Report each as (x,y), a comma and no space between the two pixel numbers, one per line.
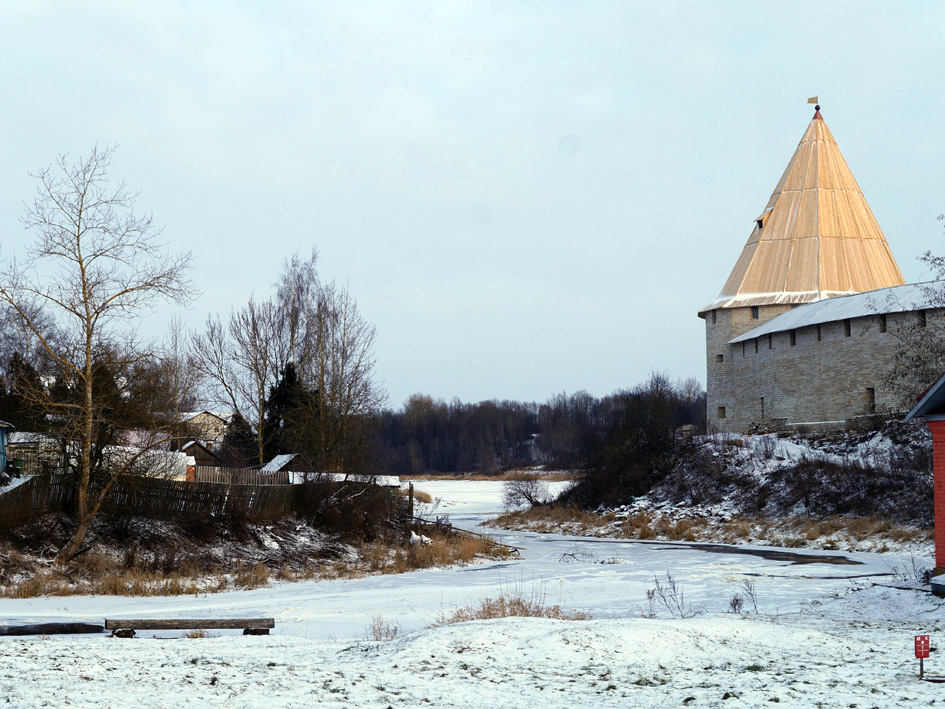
(932,401)
(191,446)
(25,437)
(187,415)
(898,299)
(277,463)
(817,237)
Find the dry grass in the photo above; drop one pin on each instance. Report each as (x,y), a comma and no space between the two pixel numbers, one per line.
(444,550)
(97,574)
(418,495)
(380,630)
(835,532)
(508,605)
(196,634)
(552,518)
(251,576)
(133,582)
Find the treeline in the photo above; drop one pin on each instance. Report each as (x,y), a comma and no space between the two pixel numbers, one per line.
(567,431)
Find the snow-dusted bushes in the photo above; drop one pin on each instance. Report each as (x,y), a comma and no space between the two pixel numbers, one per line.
(885,473)
(355,511)
(820,487)
(708,473)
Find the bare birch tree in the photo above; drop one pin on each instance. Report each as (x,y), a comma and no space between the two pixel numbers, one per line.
(316,328)
(94,268)
(340,370)
(179,374)
(242,361)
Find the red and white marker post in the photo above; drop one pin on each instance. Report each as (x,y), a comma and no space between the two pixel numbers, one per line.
(921,651)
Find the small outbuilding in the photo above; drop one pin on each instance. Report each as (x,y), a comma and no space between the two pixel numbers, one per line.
(201,454)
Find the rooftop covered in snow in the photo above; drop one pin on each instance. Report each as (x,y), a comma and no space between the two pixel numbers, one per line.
(898,299)
(277,463)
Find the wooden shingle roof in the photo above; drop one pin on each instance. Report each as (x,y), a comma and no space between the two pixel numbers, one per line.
(815,239)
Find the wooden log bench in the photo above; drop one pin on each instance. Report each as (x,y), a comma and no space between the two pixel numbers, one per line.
(50,629)
(126,627)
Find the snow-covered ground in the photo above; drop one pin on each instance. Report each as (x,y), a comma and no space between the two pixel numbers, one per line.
(852,647)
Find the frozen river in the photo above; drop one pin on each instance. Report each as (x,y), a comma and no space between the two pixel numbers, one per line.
(608,578)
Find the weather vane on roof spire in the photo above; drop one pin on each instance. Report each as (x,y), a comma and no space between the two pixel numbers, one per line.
(814,100)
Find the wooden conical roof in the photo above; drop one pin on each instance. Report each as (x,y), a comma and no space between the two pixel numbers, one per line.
(815,239)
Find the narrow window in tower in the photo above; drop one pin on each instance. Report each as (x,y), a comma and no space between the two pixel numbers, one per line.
(721,412)
(793,337)
(922,321)
(846,328)
(882,323)
(870,400)
(754,312)
(818,333)
(720,358)
(762,408)
(770,345)
(756,345)
(713,317)
(743,348)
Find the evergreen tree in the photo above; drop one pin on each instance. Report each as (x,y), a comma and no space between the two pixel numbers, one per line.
(239,444)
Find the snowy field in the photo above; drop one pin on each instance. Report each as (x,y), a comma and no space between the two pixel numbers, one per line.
(814,640)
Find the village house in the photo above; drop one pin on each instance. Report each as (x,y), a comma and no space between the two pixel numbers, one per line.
(204,426)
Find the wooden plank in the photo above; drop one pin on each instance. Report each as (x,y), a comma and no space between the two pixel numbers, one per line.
(188,623)
(51,629)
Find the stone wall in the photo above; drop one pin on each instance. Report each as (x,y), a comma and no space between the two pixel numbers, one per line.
(722,325)
(825,376)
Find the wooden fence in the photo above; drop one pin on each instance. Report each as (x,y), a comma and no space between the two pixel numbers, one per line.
(150,497)
(239,476)
(37,496)
(173,498)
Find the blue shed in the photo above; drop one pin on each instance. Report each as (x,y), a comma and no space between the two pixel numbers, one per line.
(5,429)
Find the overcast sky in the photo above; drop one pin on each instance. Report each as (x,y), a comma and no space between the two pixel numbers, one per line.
(524,197)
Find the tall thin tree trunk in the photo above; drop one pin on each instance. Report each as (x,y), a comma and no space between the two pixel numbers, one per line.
(83,519)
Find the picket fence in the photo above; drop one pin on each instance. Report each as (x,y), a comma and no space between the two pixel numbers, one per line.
(239,476)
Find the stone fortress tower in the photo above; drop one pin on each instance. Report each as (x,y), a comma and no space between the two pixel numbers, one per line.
(816,239)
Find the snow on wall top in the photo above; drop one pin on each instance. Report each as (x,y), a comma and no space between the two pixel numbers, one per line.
(296,478)
(897,299)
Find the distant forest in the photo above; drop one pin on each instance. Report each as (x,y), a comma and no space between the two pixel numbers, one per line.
(566,432)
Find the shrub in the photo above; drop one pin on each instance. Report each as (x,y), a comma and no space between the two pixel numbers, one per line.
(524,489)
(354,510)
(510,604)
(670,595)
(380,630)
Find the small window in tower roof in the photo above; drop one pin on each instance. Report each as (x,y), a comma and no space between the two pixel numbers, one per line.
(760,220)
